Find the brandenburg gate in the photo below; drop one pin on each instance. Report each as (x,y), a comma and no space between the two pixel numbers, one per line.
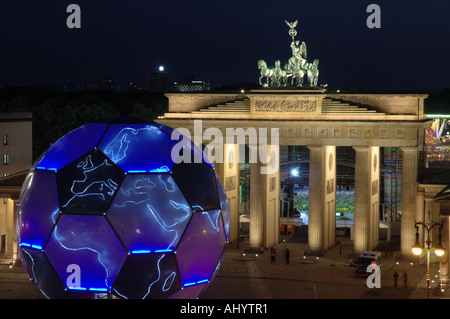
(304,114)
(321,121)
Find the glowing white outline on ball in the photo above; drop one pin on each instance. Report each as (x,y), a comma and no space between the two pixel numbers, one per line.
(57,237)
(88,167)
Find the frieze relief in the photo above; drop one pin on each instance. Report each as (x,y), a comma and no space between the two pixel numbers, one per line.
(341,133)
(337,133)
(323,132)
(273,184)
(289,132)
(334,133)
(286,105)
(330,186)
(230,183)
(368,133)
(384,134)
(400,133)
(307,132)
(353,133)
(375,187)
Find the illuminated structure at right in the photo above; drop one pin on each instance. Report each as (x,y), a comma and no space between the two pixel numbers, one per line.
(321,121)
(307,115)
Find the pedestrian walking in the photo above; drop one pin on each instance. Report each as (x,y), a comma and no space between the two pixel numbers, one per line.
(272,255)
(395,279)
(288,255)
(405,279)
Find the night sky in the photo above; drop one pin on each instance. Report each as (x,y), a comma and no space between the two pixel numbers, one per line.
(221,41)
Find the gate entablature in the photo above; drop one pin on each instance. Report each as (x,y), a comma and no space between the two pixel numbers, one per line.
(297,105)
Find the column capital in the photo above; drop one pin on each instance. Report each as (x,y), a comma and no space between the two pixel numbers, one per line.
(409,148)
(315,147)
(361,148)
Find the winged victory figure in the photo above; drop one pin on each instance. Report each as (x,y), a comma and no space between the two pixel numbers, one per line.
(291,25)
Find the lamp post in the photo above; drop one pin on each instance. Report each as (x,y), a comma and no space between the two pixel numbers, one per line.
(417,248)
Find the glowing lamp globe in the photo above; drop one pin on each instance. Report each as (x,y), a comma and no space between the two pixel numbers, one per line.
(114,207)
(417,250)
(439,251)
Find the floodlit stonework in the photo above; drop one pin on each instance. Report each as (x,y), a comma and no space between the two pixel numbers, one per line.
(321,121)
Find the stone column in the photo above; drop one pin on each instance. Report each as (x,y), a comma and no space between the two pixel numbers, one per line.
(270,178)
(420,214)
(322,198)
(409,192)
(264,189)
(443,261)
(228,171)
(256,231)
(11,237)
(366,222)
(265,197)
(15,248)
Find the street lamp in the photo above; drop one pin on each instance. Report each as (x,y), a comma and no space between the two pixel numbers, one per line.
(438,250)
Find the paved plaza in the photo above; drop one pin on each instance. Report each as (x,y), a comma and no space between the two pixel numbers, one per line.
(327,277)
(256,277)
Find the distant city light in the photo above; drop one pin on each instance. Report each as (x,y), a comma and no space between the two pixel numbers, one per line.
(434,116)
(294,172)
(161,68)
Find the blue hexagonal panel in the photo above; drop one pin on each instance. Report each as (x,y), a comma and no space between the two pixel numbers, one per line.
(147,276)
(196,154)
(198,184)
(85,252)
(37,214)
(138,148)
(189,292)
(149,213)
(42,273)
(201,247)
(88,185)
(71,146)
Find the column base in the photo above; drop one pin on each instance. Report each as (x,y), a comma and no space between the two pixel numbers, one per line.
(314,253)
(251,250)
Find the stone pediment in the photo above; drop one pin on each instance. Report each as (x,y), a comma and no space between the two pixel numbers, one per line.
(308,118)
(286,105)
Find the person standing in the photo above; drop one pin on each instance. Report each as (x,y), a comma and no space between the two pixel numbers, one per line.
(288,255)
(395,279)
(405,279)
(272,255)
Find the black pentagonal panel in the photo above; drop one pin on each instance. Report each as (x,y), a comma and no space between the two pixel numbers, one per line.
(147,276)
(197,183)
(88,184)
(42,273)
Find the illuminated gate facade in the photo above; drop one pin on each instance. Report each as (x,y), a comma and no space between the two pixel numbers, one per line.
(321,121)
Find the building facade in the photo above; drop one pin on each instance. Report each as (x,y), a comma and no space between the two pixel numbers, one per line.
(16,160)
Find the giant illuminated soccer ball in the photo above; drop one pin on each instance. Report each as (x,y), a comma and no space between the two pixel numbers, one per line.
(106,210)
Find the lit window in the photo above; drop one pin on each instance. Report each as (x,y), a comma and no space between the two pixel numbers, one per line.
(5,159)
(5,139)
